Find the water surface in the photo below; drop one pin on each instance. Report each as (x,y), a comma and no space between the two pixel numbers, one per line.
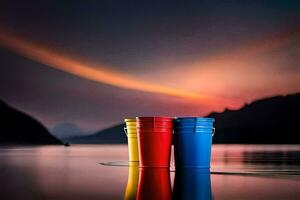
(238,172)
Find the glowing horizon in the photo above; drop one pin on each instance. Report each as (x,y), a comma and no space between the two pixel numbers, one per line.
(99,73)
(241,72)
(221,69)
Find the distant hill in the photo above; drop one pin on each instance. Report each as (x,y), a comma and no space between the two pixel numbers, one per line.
(19,128)
(112,135)
(273,120)
(63,131)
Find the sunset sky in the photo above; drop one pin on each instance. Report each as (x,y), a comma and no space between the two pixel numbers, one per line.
(92,63)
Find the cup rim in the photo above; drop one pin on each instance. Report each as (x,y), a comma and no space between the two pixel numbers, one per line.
(153,119)
(197,119)
(130,119)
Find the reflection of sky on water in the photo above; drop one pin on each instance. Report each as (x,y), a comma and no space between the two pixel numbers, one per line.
(74,173)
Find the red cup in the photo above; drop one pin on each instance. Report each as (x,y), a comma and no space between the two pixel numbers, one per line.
(154,183)
(154,123)
(154,119)
(154,129)
(154,140)
(154,148)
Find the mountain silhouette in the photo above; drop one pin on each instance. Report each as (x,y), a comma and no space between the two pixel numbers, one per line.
(65,130)
(19,128)
(112,135)
(273,120)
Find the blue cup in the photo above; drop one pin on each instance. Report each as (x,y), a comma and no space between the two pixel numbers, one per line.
(192,142)
(192,184)
(193,121)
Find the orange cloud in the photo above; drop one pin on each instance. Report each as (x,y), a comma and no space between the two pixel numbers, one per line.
(227,80)
(257,70)
(99,73)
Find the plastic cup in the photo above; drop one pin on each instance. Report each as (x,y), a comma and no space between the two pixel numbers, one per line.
(154,119)
(150,129)
(131,134)
(192,144)
(154,141)
(155,123)
(155,148)
(193,121)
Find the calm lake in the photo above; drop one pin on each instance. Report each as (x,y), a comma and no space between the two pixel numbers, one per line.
(101,172)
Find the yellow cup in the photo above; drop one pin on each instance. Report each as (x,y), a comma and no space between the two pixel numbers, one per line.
(130,120)
(129,124)
(131,132)
(132,182)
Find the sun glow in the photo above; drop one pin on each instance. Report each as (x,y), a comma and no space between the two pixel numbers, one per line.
(98,73)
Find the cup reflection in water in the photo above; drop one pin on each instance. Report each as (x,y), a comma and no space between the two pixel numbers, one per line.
(131,133)
(132,181)
(192,184)
(154,183)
